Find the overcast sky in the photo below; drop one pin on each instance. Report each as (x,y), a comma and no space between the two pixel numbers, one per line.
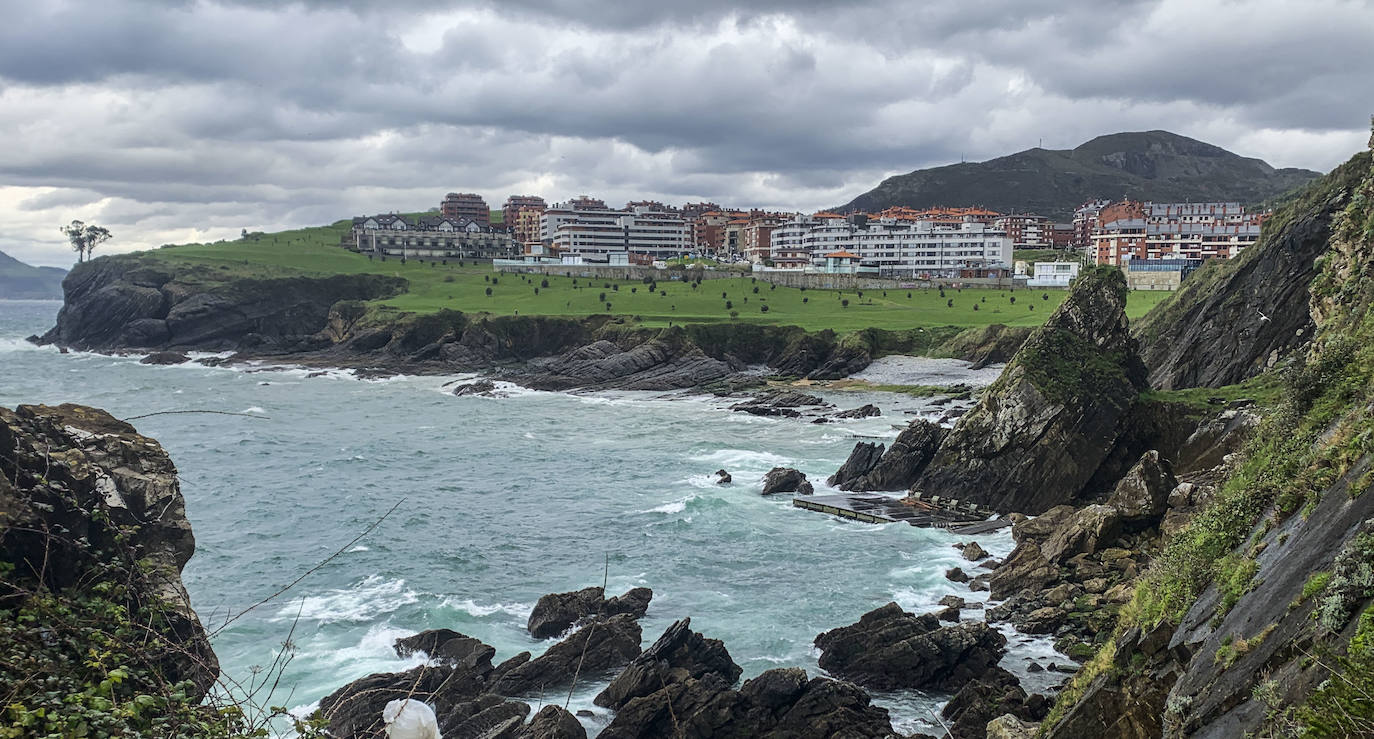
(183,121)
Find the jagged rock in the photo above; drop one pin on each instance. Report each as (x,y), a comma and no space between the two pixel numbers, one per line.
(600,645)
(786,480)
(889,649)
(863,458)
(952,601)
(680,654)
(973,552)
(864,411)
(665,363)
(1008,726)
(555,613)
(723,477)
(451,647)
(779,403)
(456,695)
(895,469)
(86,500)
(1040,432)
(1041,620)
(165,358)
(552,722)
(1208,446)
(1089,530)
(1142,496)
(994,693)
(954,574)
(480,387)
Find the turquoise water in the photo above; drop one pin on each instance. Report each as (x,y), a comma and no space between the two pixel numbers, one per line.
(502,501)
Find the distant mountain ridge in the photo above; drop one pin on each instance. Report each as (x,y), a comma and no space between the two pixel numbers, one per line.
(1146,165)
(19,281)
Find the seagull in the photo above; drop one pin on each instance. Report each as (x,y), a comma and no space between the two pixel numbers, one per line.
(410,719)
(1263,318)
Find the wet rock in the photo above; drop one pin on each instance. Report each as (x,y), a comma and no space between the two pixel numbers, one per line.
(897,467)
(864,411)
(480,387)
(786,480)
(680,654)
(954,574)
(165,358)
(552,722)
(973,552)
(667,363)
(890,649)
(555,613)
(1042,620)
(598,646)
(952,601)
(779,403)
(451,647)
(1089,530)
(994,693)
(723,477)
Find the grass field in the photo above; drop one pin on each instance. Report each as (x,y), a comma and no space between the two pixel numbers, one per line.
(464,288)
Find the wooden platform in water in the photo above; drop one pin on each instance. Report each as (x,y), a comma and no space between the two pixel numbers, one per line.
(929,512)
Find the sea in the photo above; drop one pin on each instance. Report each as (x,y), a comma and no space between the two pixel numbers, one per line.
(498,501)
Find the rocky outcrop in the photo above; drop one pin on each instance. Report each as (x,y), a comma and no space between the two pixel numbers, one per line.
(555,613)
(132,301)
(890,649)
(552,722)
(458,696)
(657,364)
(679,655)
(779,403)
(601,645)
(869,467)
(994,694)
(85,500)
(485,388)
(165,358)
(682,686)
(786,480)
(1237,317)
(1038,435)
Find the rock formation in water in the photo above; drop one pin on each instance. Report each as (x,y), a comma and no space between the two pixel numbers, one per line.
(870,467)
(1040,432)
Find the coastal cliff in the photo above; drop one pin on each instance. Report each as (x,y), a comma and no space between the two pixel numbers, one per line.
(142,303)
(93,538)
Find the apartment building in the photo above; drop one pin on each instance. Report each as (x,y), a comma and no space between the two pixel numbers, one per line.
(893,247)
(1026,230)
(595,233)
(1152,231)
(430,237)
(466,205)
(1085,221)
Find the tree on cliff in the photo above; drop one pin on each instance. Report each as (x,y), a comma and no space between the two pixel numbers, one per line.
(85,238)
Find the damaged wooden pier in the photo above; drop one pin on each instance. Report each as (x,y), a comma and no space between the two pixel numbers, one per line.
(922,510)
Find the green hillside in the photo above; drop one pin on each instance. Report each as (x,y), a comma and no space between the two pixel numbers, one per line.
(1149,165)
(19,281)
(463,287)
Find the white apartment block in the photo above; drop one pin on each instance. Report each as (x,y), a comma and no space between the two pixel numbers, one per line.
(897,248)
(596,233)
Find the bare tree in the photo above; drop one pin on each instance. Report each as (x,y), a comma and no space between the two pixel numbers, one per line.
(85,238)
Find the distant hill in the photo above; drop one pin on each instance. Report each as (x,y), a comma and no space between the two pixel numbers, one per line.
(1149,165)
(21,281)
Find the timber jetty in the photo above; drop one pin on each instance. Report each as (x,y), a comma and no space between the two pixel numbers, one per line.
(930,511)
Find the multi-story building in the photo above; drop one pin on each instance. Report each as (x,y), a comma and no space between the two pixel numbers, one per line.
(788,242)
(1130,231)
(468,205)
(1026,230)
(595,233)
(515,203)
(756,238)
(894,247)
(430,237)
(1061,236)
(523,225)
(1085,221)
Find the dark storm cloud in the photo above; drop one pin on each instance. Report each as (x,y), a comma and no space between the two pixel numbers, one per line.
(196,118)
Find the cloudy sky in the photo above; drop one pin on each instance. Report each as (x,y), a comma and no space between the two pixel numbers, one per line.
(187,120)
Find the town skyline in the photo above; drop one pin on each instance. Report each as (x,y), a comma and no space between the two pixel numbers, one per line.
(197,120)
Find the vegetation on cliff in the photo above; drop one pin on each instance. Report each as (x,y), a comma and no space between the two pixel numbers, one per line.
(1262,588)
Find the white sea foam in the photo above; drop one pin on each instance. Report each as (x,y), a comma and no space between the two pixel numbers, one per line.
(360,548)
(368,600)
(677,506)
(253,409)
(732,459)
(480,610)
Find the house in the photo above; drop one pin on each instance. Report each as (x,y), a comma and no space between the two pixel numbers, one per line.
(429,237)
(1054,274)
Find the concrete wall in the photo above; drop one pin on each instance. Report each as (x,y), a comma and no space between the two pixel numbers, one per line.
(1153,280)
(811,281)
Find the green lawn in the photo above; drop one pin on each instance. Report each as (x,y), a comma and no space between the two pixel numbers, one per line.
(463,288)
